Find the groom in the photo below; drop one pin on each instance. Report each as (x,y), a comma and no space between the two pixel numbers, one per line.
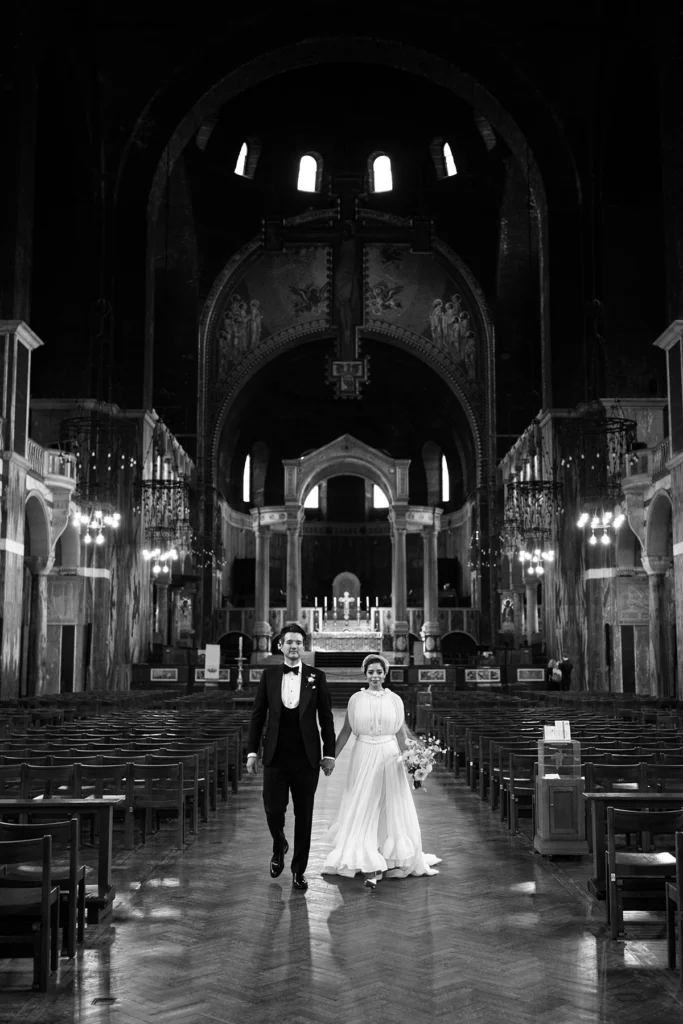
(290,696)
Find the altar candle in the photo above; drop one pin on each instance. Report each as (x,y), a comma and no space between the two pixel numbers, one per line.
(335,601)
(367,603)
(316,601)
(325,602)
(241,639)
(376,602)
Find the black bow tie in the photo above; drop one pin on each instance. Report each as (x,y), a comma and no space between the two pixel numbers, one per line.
(294,670)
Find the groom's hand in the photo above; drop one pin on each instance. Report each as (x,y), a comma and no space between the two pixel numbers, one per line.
(252,764)
(327,764)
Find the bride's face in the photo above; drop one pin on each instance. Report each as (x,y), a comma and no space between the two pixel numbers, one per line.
(375,675)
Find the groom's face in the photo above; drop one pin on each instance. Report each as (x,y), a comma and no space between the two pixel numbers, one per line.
(292,646)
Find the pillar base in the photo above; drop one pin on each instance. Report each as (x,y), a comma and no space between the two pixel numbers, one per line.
(399,637)
(261,639)
(432,643)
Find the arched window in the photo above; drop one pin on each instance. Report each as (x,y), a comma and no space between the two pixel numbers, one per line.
(241,164)
(310,173)
(445,480)
(313,498)
(246,480)
(379,498)
(442,155)
(448,160)
(250,151)
(380,173)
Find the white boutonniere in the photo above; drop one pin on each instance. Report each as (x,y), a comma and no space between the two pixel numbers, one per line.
(311,679)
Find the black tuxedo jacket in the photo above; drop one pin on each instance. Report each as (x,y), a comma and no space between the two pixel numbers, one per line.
(314,700)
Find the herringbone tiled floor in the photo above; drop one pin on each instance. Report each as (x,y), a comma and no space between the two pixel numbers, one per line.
(206,937)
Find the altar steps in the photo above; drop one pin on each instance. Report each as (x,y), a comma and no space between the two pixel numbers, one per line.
(342,681)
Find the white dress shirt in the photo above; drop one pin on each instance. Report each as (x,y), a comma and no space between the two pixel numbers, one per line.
(291,687)
(291,691)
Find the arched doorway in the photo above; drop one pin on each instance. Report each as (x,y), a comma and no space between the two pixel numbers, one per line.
(458,648)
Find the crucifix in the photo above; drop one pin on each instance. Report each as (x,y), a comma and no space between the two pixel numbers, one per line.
(347,231)
(346,601)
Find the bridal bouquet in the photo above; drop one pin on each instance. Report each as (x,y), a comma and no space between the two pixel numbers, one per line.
(419,759)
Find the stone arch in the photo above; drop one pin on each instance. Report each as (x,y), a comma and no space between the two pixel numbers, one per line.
(458,643)
(369,50)
(347,456)
(37,543)
(658,536)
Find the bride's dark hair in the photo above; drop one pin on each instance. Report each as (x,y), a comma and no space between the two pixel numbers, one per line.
(378,659)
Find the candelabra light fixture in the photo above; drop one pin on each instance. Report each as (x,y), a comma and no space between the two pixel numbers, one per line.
(94,522)
(534,559)
(600,524)
(161,560)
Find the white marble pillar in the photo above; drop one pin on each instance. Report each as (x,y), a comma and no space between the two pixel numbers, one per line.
(399,586)
(294,525)
(432,631)
(261,632)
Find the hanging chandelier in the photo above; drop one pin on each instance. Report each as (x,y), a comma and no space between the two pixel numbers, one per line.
(165,507)
(162,556)
(535,559)
(94,523)
(597,447)
(105,448)
(531,507)
(601,524)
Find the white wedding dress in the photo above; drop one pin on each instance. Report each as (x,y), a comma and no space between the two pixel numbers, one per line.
(376,828)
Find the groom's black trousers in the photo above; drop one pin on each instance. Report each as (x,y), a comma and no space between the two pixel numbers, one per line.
(291,774)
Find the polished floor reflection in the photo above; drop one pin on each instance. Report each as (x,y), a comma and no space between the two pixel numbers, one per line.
(204,935)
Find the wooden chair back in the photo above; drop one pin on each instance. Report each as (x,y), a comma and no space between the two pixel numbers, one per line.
(38,904)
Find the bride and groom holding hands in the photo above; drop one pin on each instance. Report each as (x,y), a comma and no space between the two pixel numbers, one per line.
(376,831)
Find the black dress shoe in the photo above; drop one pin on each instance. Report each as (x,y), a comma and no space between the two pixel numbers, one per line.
(277,861)
(299,882)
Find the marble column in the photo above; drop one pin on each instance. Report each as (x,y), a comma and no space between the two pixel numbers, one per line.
(518,609)
(262,631)
(399,586)
(37,635)
(161,586)
(660,666)
(531,609)
(431,629)
(293,567)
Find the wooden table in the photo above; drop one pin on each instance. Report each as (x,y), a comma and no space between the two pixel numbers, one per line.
(632,800)
(99,903)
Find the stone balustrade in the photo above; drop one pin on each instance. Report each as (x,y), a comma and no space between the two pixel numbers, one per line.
(51,462)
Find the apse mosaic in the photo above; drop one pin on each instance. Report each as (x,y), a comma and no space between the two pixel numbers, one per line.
(283,291)
(411,291)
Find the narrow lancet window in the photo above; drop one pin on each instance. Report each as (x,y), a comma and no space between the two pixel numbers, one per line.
(241,164)
(308,174)
(448,160)
(381,174)
(246,480)
(445,480)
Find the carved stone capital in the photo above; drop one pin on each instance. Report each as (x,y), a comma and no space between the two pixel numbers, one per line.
(657,565)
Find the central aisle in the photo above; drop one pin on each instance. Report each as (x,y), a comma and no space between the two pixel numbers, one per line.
(207,937)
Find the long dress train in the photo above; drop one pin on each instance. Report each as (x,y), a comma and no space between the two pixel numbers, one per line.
(376,828)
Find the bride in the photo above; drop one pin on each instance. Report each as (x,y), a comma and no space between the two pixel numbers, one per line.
(376,830)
